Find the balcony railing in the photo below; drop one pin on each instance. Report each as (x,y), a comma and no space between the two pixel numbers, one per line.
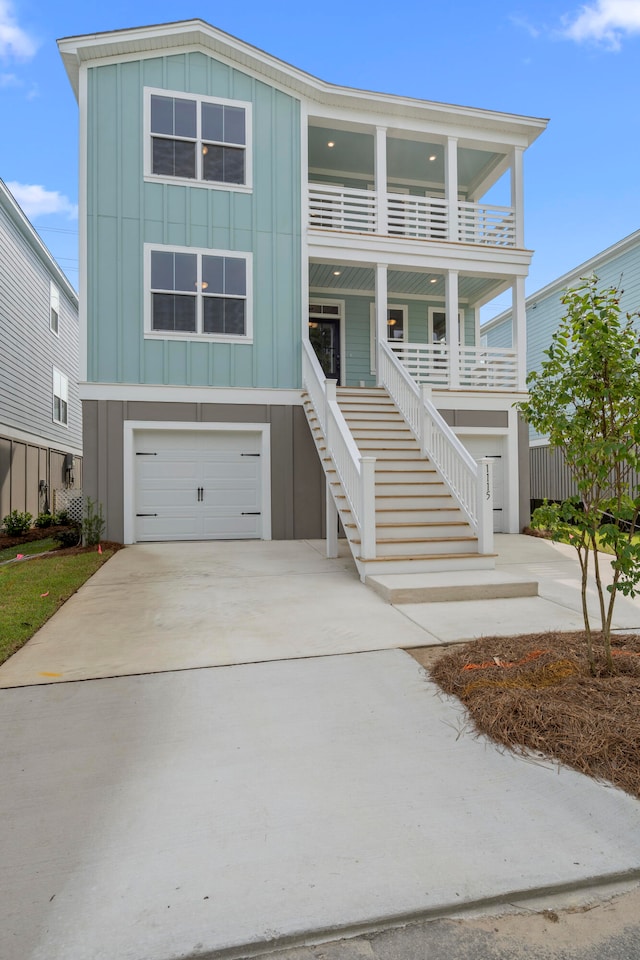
(333,207)
(479,368)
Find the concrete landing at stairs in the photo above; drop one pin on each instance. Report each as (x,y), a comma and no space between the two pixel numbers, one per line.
(453,586)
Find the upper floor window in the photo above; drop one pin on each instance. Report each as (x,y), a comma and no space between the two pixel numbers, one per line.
(201,139)
(60,396)
(198,294)
(54,308)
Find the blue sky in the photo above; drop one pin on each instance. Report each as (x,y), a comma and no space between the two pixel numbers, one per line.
(574,63)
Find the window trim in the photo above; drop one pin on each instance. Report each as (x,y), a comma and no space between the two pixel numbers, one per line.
(198,336)
(149,176)
(54,304)
(64,389)
(461,321)
(404,307)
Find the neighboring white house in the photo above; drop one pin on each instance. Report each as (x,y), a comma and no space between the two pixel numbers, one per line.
(618,266)
(250,234)
(40,412)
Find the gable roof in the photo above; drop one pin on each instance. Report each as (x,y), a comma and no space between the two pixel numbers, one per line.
(18,217)
(185,34)
(585,269)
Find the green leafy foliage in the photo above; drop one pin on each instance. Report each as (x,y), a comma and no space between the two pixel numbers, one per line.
(44,520)
(586,399)
(93,523)
(16,523)
(70,536)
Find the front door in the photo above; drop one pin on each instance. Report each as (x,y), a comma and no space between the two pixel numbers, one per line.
(324,337)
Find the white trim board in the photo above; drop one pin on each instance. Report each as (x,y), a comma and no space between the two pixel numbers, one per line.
(129,429)
(35,440)
(158,393)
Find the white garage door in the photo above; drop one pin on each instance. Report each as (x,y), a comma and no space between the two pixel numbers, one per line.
(492,447)
(197,485)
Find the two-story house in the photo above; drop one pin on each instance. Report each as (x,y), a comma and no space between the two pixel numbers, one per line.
(40,413)
(619,267)
(281,282)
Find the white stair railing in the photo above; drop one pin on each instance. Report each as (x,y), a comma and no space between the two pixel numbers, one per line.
(355,472)
(469,481)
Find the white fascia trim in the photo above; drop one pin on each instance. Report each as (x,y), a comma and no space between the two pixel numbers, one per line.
(37,440)
(474,400)
(130,427)
(430,256)
(83,254)
(480,431)
(539,442)
(153,393)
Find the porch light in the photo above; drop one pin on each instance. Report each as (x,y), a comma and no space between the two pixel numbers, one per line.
(433,280)
(331,143)
(433,157)
(337,273)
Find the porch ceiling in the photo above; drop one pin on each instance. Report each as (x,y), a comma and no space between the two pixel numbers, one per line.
(407,160)
(400,283)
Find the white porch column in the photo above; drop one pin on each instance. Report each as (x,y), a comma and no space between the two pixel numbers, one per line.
(381,312)
(451,186)
(517,194)
(453,335)
(381,180)
(519,330)
(332,524)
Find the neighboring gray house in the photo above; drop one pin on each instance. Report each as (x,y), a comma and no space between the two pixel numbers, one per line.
(40,413)
(617,266)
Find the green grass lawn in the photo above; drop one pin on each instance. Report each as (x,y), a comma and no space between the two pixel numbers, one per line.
(23,608)
(27,549)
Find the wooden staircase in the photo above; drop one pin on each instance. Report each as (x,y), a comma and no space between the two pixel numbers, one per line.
(419,526)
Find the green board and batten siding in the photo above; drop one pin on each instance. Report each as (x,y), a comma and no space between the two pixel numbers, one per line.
(124,212)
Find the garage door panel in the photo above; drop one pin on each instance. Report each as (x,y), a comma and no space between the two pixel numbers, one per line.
(200,485)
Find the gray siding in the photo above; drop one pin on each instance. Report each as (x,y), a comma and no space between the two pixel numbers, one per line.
(29,350)
(297,480)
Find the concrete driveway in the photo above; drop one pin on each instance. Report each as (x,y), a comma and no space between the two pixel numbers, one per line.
(209,805)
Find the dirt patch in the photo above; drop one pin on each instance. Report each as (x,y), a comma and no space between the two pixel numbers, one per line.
(536,693)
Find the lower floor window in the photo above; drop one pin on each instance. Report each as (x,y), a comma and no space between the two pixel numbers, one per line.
(199,294)
(60,396)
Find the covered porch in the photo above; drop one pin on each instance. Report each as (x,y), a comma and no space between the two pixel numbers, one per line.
(429,318)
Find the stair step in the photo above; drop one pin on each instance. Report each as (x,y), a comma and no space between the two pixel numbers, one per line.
(434,557)
(441,587)
(423,548)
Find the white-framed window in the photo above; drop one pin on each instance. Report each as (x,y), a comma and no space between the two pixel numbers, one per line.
(54,308)
(190,138)
(397,328)
(438,325)
(60,397)
(198,294)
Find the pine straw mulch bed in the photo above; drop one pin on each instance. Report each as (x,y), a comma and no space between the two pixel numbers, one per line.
(536,693)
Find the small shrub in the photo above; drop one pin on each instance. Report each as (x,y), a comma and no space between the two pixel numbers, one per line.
(93,524)
(16,523)
(69,536)
(62,517)
(44,520)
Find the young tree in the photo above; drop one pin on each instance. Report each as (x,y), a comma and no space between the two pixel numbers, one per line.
(586,398)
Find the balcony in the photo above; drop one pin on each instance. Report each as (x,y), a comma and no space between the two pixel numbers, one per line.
(400,215)
(477,368)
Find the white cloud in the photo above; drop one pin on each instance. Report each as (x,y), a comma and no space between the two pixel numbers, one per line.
(37,202)
(14,41)
(605,22)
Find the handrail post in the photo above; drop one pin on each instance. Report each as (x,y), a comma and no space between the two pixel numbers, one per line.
(485,505)
(426,392)
(368,497)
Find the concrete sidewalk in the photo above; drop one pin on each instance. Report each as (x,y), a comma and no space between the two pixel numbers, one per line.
(181,814)
(175,606)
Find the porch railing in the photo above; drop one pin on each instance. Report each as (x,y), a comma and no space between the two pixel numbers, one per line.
(469,481)
(479,368)
(356,473)
(338,208)
(334,207)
